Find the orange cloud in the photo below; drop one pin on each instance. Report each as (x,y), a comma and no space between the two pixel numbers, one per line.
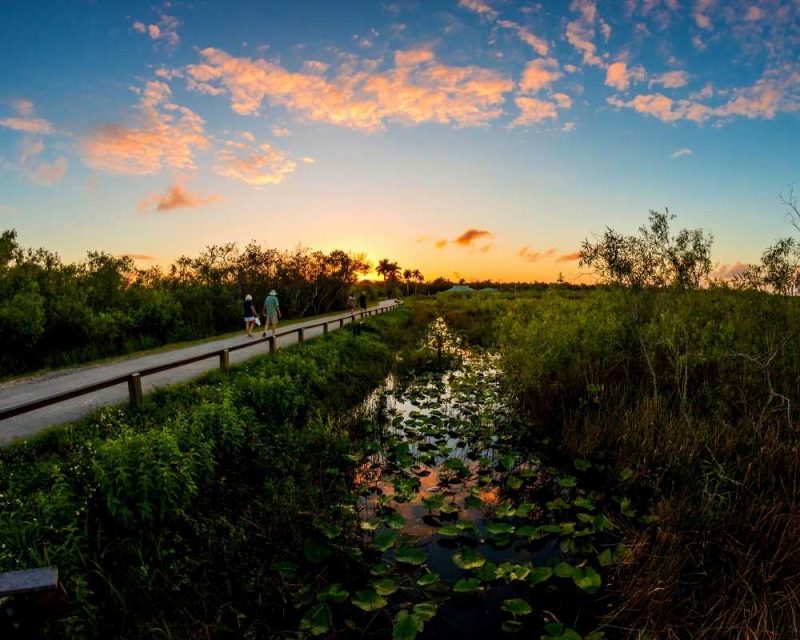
(533,110)
(165,30)
(619,75)
(254,164)
(538,44)
(569,257)
(529,254)
(38,171)
(729,271)
(177,196)
(539,74)
(478,6)
(136,256)
(25,120)
(166,137)
(580,32)
(670,79)
(417,89)
(471,235)
(441,244)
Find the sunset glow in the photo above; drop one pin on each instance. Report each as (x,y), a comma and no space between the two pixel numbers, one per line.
(476,139)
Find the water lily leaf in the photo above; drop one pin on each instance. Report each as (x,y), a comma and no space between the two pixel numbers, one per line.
(433,502)
(605,558)
(368,525)
(385,586)
(385,539)
(498,528)
(468,559)
(601,523)
(368,600)
(406,626)
(473,502)
(587,579)
(584,503)
(454,464)
(316,552)
(450,507)
(287,570)
(317,620)
(410,555)
(395,520)
(380,569)
(550,528)
(564,570)
(428,579)
(524,510)
(450,530)
(526,531)
(333,592)
(330,531)
(511,571)
(568,482)
(508,461)
(511,626)
(467,585)
(555,505)
(487,572)
(626,474)
(426,610)
(582,465)
(516,606)
(504,511)
(539,575)
(514,483)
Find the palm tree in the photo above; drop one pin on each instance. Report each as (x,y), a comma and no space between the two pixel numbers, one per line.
(388,270)
(417,275)
(407,275)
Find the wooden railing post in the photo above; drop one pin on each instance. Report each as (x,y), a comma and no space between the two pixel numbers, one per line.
(273,344)
(341,322)
(324,328)
(135,389)
(224,359)
(301,334)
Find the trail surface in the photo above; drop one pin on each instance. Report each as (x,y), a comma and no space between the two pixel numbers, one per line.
(23,390)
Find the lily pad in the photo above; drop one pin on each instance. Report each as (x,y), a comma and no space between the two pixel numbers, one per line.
(467,585)
(426,610)
(564,570)
(385,539)
(385,586)
(497,528)
(333,592)
(318,619)
(368,600)
(516,607)
(406,626)
(511,626)
(468,559)
(395,520)
(473,502)
(410,555)
(587,579)
(428,579)
(539,575)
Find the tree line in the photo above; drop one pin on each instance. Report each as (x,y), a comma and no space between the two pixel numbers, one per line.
(54,313)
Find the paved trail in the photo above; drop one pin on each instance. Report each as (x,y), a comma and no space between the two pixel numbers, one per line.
(25,390)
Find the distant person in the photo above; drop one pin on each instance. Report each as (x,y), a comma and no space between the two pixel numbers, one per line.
(351,303)
(272,312)
(362,301)
(249,314)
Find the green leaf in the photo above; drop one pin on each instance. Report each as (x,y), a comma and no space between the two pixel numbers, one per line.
(395,520)
(605,558)
(316,552)
(516,606)
(582,465)
(511,626)
(587,579)
(568,482)
(473,502)
(450,530)
(317,619)
(428,579)
(539,575)
(524,510)
(426,610)
(384,539)
(526,531)
(508,461)
(433,502)
(487,572)
(454,464)
(287,570)
(385,586)
(468,559)
(406,626)
(497,528)
(330,531)
(333,592)
(514,483)
(450,507)
(564,570)
(380,569)
(410,555)
(467,585)
(368,600)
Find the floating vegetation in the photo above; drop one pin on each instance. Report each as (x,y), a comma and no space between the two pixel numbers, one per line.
(467,530)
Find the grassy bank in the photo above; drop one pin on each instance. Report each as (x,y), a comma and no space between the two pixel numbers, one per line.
(697,393)
(165,522)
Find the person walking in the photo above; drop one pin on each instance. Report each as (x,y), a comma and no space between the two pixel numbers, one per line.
(351,303)
(362,301)
(272,312)
(249,314)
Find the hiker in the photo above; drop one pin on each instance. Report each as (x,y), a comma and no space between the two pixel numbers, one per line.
(249,314)
(351,303)
(362,301)
(272,312)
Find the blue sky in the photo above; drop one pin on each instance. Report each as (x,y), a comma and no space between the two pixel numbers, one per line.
(394,128)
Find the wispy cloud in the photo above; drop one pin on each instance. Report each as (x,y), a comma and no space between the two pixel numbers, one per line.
(569,257)
(165,136)
(539,74)
(670,79)
(25,120)
(679,153)
(165,31)
(441,244)
(470,236)
(581,31)
(177,196)
(254,164)
(355,94)
(478,6)
(136,256)
(620,76)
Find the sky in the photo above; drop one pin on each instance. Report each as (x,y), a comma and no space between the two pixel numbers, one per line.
(477,139)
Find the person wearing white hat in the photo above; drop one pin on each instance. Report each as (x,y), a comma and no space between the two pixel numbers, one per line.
(249,314)
(272,311)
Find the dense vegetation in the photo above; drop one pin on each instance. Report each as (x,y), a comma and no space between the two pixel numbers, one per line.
(165,522)
(54,313)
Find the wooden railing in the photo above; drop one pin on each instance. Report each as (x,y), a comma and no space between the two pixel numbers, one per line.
(134,380)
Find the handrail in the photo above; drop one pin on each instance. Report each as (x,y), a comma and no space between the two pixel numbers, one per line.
(134,378)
